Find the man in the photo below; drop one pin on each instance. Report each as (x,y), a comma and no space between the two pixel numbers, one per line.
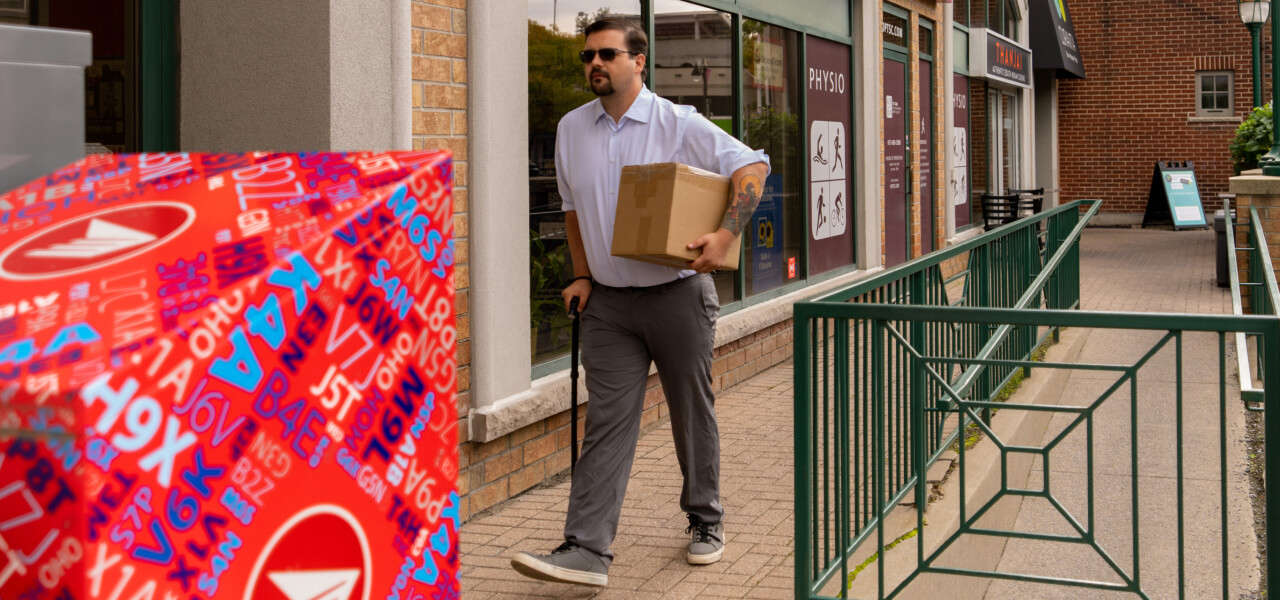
(634,312)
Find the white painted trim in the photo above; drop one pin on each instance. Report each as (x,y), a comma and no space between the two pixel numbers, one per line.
(949,112)
(401,76)
(866,116)
(497,74)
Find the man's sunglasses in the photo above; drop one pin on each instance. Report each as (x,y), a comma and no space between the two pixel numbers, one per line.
(606,54)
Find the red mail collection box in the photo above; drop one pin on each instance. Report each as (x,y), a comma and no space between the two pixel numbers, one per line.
(229,376)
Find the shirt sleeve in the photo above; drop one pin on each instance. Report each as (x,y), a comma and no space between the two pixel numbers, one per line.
(709,147)
(562,164)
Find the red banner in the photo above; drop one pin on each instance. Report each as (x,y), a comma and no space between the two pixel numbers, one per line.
(229,376)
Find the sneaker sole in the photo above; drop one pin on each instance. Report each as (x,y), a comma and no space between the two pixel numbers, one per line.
(705,559)
(532,567)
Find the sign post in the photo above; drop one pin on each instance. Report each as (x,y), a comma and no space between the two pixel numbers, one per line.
(1174,197)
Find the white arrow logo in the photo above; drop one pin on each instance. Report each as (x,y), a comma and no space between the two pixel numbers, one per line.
(333,584)
(102,237)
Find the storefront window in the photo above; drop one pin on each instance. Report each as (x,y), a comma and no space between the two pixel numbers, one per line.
(771,107)
(962,12)
(556,86)
(111,123)
(693,64)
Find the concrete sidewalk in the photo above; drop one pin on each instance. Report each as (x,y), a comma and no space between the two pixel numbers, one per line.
(1122,269)
(1145,271)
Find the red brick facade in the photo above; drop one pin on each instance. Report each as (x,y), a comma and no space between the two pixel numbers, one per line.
(1138,104)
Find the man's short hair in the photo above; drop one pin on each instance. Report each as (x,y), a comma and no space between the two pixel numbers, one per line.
(636,40)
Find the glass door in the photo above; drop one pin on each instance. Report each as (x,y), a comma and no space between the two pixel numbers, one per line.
(1002,129)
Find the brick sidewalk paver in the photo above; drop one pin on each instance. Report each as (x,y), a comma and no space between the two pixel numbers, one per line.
(1123,269)
(756,472)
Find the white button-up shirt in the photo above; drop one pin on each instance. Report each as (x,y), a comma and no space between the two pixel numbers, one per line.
(591,150)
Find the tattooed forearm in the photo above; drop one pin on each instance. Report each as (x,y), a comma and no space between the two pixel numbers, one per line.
(746,197)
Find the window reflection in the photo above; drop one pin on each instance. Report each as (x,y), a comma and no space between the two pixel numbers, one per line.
(771,105)
(556,86)
(693,64)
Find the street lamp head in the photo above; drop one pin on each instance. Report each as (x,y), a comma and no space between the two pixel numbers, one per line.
(1254,12)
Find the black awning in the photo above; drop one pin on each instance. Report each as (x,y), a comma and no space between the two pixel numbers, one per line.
(1053,39)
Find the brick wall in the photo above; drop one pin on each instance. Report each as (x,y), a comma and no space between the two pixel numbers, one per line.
(439,50)
(1135,106)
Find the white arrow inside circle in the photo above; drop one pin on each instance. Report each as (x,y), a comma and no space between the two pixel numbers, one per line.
(333,584)
(102,237)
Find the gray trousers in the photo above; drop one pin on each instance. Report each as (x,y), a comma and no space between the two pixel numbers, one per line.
(622,330)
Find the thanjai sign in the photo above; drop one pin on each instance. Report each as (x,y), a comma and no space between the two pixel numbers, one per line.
(997,58)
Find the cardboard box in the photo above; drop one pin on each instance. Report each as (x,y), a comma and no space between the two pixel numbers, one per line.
(664,206)
(229,374)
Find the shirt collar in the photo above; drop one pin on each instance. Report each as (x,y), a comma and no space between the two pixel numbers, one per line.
(640,109)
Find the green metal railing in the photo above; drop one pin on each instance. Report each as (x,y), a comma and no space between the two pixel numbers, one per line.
(856,390)
(1263,297)
(813,575)
(890,372)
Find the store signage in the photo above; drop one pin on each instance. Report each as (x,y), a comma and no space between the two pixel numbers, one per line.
(958,160)
(926,156)
(998,58)
(1174,197)
(1053,38)
(893,29)
(769,71)
(230,377)
(830,174)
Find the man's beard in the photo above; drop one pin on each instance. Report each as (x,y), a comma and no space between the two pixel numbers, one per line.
(606,87)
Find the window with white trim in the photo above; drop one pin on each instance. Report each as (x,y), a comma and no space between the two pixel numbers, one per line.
(1214,93)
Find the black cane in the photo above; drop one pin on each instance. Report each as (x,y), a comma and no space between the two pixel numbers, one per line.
(573,386)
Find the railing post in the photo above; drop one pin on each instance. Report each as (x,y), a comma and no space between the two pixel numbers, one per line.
(1271,395)
(803,460)
(919,400)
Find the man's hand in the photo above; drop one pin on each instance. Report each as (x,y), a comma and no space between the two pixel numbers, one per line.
(715,250)
(580,289)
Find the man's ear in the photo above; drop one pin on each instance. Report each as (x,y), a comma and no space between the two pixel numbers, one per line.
(640,60)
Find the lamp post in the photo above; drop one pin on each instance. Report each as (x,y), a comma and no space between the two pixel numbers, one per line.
(700,72)
(1253,14)
(1270,162)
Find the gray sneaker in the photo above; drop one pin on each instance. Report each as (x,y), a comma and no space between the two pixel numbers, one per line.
(570,563)
(707,545)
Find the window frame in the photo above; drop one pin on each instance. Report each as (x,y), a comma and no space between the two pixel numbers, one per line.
(1200,93)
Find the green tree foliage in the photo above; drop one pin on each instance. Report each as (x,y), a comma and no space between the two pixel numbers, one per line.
(557,83)
(774,131)
(1253,139)
(583,20)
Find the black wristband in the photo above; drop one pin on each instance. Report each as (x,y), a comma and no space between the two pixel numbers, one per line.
(587,277)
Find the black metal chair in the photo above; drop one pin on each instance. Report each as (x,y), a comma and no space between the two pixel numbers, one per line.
(998,210)
(1030,201)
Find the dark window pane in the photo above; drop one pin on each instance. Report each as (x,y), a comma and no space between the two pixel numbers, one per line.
(1224,101)
(893,29)
(772,104)
(693,64)
(962,12)
(1221,81)
(1206,101)
(926,40)
(556,86)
